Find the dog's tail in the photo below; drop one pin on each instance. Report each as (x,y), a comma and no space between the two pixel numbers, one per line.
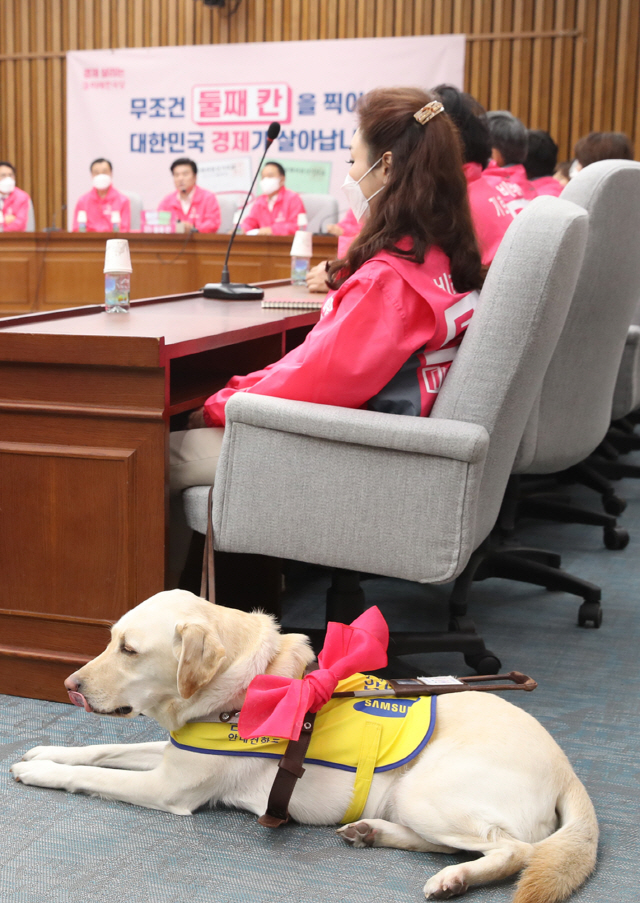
(562,861)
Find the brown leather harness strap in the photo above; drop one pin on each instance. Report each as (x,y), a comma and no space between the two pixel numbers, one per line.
(289,770)
(208,581)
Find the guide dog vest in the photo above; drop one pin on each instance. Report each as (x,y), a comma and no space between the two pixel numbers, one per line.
(364,736)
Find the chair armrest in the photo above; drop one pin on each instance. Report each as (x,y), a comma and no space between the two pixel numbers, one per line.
(466,442)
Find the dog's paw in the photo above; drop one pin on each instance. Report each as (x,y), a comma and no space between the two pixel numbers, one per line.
(447,883)
(41,774)
(65,755)
(358,834)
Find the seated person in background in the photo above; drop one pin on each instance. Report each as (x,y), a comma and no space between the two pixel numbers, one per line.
(346,230)
(192,209)
(602,146)
(509,151)
(348,225)
(275,211)
(103,200)
(14,202)
(562,172)
(491,200)
(542,157)
(400,300)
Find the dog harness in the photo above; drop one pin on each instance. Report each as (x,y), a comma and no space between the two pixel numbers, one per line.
(363,736)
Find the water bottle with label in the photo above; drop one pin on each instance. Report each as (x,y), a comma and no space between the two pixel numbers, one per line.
(117,276)
(82,220)
(1,221)
(115,220)
(301,252)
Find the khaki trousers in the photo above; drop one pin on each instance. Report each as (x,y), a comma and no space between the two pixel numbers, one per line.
(193,458)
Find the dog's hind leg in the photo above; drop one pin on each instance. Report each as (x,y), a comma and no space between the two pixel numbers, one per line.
(376,832)
(131,756)
(502,861)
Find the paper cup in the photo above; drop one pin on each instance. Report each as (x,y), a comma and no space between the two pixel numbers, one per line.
(302,245)
(117,258)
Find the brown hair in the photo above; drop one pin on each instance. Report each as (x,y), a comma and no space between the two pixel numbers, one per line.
(603,146)
(425,197)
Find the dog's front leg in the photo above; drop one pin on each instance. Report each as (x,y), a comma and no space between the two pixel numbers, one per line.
(168,787)
(134,756)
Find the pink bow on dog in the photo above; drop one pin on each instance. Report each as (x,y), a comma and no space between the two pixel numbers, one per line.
(276,706)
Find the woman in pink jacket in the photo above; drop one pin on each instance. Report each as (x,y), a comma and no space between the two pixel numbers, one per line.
(400,300)
(541,162)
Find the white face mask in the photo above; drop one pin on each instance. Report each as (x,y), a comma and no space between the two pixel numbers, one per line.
(101,181)
(7,185)
(269,184)
(357,201)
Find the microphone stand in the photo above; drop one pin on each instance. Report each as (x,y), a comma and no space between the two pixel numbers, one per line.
(225,290)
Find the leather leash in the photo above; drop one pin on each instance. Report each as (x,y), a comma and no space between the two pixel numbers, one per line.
(289,771)
(208,580)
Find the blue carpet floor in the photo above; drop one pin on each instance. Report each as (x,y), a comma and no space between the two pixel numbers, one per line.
(61,848)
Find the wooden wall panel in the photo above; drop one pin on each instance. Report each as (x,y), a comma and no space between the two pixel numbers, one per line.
(565,65)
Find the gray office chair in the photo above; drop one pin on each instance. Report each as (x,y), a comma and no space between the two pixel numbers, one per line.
(135,203)
(321,209)
(362,491)
(573,413)
(31,218)
(228,204)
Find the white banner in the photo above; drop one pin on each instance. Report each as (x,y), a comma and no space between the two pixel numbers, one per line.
(144,108)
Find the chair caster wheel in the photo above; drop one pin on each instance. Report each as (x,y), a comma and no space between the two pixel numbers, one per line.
(484,663)
(616,538)
(461,624)
(613,504)
(590,612)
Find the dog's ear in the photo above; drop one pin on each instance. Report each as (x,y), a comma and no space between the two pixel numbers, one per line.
(294,655)
(201,655)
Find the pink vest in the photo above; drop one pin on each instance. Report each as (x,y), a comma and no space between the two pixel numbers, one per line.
(204,212)
(282,219)
(99,210)
(547,185)
(385,341)
(490,209)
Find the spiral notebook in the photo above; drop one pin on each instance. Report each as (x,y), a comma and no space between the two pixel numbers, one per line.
(295,303)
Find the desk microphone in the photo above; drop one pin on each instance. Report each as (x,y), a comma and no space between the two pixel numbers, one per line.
(236,291)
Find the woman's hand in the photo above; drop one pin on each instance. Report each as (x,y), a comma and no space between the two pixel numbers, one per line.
(317,278)
(335,229)
(196,419)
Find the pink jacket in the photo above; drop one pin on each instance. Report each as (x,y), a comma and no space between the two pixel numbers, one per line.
(16,206)
(385,341)
(282,218)
(514,174)
(350,225)
(204,212)
(547,185)
(99,210)
(490,210)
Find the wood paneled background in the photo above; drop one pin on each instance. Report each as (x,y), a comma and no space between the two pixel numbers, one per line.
(568,66)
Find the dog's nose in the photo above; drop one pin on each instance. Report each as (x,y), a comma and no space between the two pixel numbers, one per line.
(72,683)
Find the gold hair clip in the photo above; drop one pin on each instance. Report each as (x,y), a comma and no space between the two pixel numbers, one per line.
(428,111)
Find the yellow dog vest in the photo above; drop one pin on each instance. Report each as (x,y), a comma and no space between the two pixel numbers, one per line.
(359,735)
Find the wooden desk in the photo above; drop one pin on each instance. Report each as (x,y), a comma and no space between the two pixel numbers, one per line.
(48,271)
(85,404)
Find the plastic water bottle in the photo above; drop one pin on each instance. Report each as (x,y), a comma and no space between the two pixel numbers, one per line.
(115,220)
(117,276)
(82,220)
(1,221)
(301,252)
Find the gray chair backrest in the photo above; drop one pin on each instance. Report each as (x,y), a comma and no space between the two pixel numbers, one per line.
(321,209)
(228,204)
(573,412)
(498,370)
(31,218)
(135,203)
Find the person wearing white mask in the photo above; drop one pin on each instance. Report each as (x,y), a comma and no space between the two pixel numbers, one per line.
(14,202)
(275,211)
(399,301)
(103,206)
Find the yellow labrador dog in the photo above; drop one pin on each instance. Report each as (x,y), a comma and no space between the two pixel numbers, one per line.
(491,780)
